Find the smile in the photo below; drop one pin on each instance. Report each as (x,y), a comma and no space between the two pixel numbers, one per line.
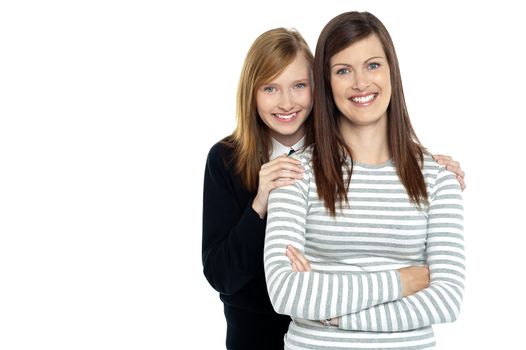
(285,116)
(364,99)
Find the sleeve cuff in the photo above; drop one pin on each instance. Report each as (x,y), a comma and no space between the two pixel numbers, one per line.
(397,284)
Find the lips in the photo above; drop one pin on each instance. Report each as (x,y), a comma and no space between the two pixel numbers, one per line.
(364,99)
(286,117)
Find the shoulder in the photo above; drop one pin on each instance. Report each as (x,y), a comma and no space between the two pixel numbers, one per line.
(304,155)
(437,175)
(220,154)
(430,166)
(222,148)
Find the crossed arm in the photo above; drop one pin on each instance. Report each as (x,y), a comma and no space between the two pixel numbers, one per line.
(368,301)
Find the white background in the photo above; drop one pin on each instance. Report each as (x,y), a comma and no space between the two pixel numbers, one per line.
(108,109)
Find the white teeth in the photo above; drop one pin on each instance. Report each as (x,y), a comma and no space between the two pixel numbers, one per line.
(363,99)
(285,116)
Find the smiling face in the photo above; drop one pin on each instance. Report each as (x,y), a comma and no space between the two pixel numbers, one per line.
(360,82)
(285,102)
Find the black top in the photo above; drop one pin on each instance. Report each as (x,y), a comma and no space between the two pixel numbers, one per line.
(233,239)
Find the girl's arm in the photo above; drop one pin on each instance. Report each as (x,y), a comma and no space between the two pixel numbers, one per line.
(232,235)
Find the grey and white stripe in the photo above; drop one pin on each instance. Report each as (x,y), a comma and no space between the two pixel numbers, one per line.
(355,256)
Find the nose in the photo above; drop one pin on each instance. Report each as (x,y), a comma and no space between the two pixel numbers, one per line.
(286,101)
(361,81)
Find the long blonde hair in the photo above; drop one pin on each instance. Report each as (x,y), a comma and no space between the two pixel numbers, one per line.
(267,58)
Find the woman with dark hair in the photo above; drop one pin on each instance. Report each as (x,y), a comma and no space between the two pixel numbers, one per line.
(372,201)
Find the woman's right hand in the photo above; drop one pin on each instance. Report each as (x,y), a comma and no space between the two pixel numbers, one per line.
(298,262)
(414,279)
(281,171)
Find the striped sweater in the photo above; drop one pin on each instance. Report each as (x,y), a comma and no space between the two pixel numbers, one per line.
(355,256)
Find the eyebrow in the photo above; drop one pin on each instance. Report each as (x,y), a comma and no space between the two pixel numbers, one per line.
(302,80)
(367,60)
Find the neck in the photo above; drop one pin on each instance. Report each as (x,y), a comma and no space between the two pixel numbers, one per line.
(289,140)
(368,143)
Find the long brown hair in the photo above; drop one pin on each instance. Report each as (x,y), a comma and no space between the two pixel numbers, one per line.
(330,150)
(268,57)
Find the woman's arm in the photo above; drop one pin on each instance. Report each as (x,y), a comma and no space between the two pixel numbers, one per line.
(314,295)
(441,301)
(232,235)
(412,278)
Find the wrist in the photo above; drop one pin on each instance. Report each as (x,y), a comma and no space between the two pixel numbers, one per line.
(259,209)
(326,322)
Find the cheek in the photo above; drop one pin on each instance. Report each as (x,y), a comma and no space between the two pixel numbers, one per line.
(262,111)
(333,86)
(384,80)
(386,84)
(338,88)
(302,97)
(262,103)
(306,98)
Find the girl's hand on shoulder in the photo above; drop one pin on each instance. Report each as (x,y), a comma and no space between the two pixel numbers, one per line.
(281,171)
(453,166)
(298,262)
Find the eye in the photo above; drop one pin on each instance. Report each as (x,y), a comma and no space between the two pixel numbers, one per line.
(269,89)
(373,66)
(300,85)
(343,71)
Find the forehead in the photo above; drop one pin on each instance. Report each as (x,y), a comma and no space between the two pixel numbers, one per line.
(298,69)
(361,50)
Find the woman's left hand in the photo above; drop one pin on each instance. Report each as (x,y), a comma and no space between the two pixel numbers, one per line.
(297,260)
(453,166)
